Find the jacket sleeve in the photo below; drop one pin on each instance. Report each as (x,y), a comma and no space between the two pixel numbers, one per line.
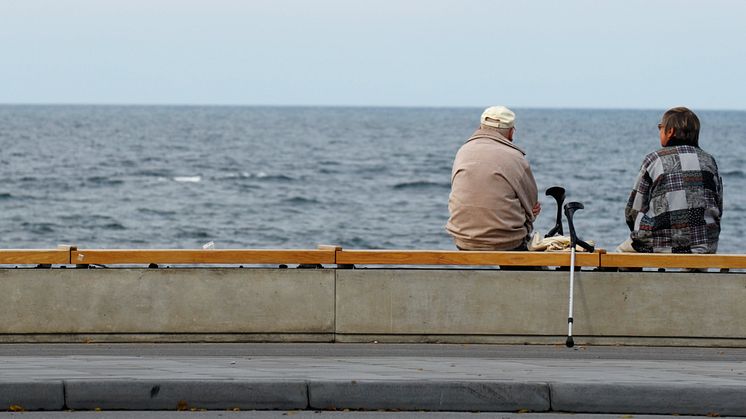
(719,180)
(720,195)
(639,199)
(530,195)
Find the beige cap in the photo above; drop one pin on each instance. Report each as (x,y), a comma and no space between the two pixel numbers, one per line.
(498,117)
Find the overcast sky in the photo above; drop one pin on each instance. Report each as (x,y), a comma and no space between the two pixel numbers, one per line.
(541,53)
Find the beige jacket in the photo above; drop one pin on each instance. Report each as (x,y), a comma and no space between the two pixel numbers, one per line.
(492,194)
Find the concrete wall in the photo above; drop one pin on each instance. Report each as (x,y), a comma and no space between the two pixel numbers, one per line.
(166,301)
(389,305)
(532,307)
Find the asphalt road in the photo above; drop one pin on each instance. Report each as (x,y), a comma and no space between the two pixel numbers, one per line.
(559,351)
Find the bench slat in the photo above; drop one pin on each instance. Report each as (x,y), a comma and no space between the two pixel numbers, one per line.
(222,256)
(35,256)
(672,260)
(328,255)
(448,257)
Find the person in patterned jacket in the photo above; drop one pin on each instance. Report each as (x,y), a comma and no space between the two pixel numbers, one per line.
(677,200)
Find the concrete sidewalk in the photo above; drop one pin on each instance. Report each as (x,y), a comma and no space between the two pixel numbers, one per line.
(372,383)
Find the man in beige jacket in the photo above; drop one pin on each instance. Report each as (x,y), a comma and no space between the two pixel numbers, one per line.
(494,200)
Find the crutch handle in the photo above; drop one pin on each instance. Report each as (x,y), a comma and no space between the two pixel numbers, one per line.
(570,209)
(558,193)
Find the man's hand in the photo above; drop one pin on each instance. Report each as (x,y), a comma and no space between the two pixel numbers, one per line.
(536,209)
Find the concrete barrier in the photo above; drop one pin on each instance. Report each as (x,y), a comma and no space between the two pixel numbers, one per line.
(360,305)
(53,304)
(531,307)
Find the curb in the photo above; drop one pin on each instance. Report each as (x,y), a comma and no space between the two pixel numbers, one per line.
(181,395)
(453,396)
(32,395)
(673,398)
(483,396)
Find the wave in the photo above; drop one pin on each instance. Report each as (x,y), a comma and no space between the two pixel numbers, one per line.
(356,243)
(113,226)
(263,176)
(421,184)
(373,169)
(104,181)
(230,176)
(153,173)
(188,179)
(738,174)
(40,228)
(299,200)
(280,178)
(151,211)
(193,234)
(5,195)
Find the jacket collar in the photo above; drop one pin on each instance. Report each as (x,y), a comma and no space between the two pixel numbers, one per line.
(495,136)
(673,142)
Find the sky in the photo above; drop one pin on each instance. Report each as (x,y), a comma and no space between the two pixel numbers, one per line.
(640,54)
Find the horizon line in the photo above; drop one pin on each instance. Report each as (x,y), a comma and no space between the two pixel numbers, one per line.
(236,105)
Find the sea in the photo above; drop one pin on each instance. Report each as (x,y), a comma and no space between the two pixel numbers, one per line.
(179,177)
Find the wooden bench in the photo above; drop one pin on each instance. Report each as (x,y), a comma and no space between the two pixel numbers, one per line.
(190,257)
(454,257)
(672,260)
(326,254)
(34,256)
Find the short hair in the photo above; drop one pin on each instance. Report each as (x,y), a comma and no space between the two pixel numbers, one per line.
(685,124)
(503,131)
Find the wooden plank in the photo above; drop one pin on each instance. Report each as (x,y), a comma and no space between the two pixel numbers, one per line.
(34,256)
(222,256)
(448,257)
(332,247)
(672,260)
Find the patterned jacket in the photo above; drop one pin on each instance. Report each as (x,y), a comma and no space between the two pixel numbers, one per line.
(677,202)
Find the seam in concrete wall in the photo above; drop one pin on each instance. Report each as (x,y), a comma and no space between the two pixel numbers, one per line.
(64,395)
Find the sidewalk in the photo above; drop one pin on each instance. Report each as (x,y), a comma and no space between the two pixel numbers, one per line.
(373,383)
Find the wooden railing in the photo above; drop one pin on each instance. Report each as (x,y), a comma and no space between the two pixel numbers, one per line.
(327,254)
(478,258)
(191,257)
(669,260)
(59,256)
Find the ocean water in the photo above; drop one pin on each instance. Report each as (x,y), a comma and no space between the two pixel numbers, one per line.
(295,177)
